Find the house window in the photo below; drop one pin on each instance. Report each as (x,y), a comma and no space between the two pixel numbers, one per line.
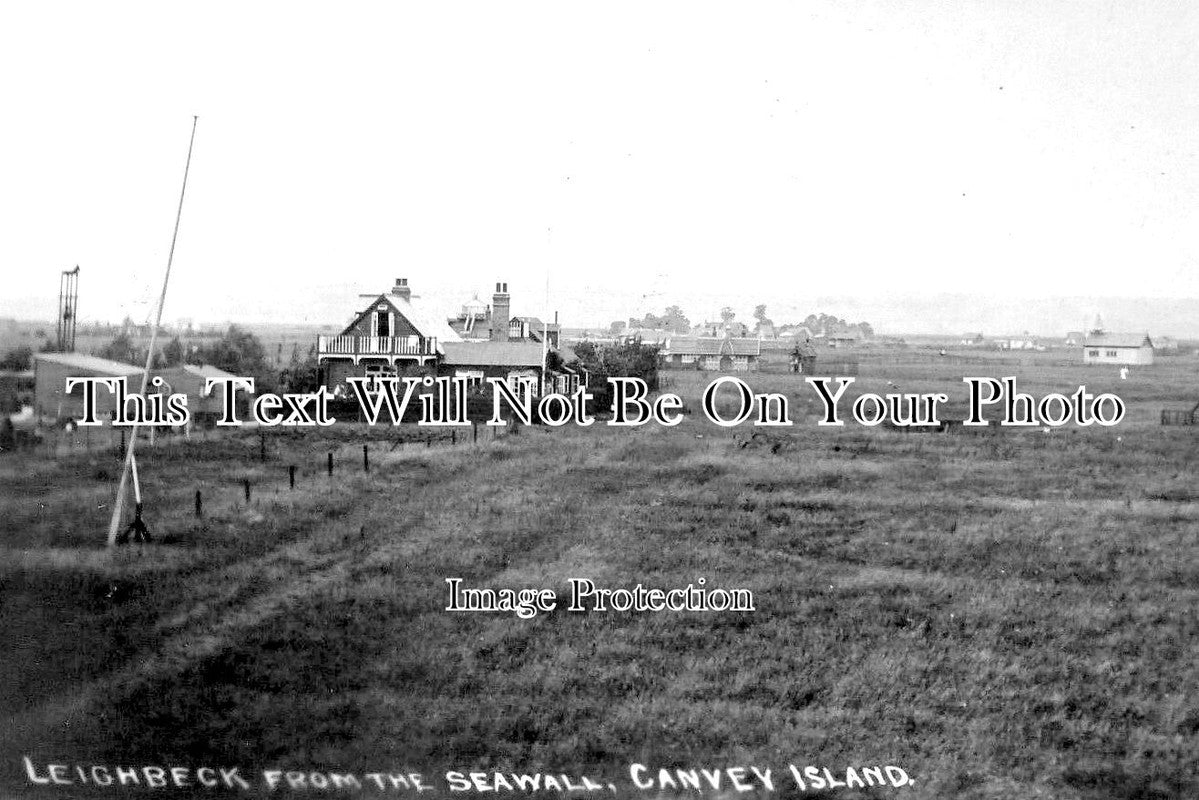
(382,323)
(522,383)
(1111,353)
(688,358)
(375,371)
(474,377)
(1093,353)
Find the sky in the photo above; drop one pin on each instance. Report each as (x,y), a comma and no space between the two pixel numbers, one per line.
(604,160)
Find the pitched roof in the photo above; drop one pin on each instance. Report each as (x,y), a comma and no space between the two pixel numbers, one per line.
(492,354)
(91,363)
(1118,340)
(207,371)
(428,323)
(693,345)
(711,346)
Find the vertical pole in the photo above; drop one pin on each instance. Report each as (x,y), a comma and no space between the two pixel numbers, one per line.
(118,504)
(121,452)
(199,504)
(330,464)
(291,476)
(246,484)
(366,463)
(261,446)
(474,433)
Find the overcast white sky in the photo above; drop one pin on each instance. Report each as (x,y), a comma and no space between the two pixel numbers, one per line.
(642,153)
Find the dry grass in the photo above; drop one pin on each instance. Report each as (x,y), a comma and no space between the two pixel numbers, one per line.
(1006,614)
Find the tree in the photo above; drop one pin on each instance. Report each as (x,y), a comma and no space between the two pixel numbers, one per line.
(301,374)
(121,349)
(760,316)
(675,321)
(727,315)
(241,353)
(617,327)
(172,354)
(18,359)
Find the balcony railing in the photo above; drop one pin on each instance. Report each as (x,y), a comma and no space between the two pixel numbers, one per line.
(375,346)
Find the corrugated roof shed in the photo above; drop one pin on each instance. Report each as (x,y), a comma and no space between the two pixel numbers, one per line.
(95,364)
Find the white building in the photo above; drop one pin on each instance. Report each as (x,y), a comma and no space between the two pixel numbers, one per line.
(1101,347)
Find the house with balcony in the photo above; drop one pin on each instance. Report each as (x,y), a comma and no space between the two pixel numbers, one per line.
(393,335)
(396,335)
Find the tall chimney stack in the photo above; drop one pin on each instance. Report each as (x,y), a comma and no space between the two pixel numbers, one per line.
(401,289)
(500,303)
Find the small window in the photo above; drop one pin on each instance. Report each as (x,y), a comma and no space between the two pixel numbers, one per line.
(1111,354)
(1093,353)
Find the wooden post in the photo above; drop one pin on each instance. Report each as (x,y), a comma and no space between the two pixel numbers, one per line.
(121,452)
(474,433)
(261,446)
(246,484)
(366,462)
(454,436)
(330,464)
(199,504)
(291,476)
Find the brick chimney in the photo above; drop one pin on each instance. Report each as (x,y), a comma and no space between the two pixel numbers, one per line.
(401,289)
(500,303)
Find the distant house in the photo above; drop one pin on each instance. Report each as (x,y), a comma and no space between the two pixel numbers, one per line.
(190,379)
(1101,347)
(393,335)
(478,321)
(844,339)
(396,336)
(972,339)
(1075,338)
(800,332)
(726,354)
(1020,343)
(1165,344)
(50,372)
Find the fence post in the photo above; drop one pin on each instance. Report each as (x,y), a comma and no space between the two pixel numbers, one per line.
(261,446)
(454,436)
(199,504)
(330,463)
(246,484)
(291,476)
(366,463)
(474,432)
(121,452)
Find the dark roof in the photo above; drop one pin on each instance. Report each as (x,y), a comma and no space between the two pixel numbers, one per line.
(711,346)
(427,323)
(492,354)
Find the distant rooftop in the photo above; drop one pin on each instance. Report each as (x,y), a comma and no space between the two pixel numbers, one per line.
(90,363)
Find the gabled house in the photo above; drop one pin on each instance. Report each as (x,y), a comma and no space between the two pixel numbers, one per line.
(393,335)
(397,335)
(726,354)
(1101,347)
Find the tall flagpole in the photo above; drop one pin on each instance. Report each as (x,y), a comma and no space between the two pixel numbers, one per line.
(545,325)
(118,505)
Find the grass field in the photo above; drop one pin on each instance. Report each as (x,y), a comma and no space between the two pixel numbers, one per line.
(1003,614)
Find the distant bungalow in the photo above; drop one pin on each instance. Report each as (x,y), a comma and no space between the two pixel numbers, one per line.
(1102,347)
